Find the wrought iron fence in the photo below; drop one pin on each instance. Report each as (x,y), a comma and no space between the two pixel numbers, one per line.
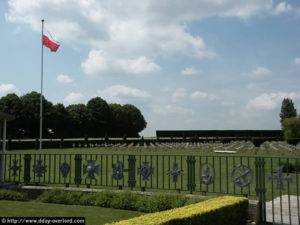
(274,181)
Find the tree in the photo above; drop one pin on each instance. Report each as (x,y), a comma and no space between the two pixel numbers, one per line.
(30,114)
(291,127)
(287,109)
(135,119)
(100,116)
(80,119)
(11,104)
(60,121)
(119,120)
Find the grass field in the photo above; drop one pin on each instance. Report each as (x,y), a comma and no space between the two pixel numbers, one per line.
(93,215)
(162,158)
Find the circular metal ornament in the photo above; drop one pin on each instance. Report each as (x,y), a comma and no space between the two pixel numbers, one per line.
(207,173)
(242,175)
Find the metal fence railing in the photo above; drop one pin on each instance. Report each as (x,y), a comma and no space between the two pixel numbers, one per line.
(274,181)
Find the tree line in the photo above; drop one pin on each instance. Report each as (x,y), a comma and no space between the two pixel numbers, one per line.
(290,121)
(95,119)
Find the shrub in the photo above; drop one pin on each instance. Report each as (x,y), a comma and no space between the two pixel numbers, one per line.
(61,197)
(258,141)
(124,200)
(293,141)
(104,199)
(223,210)
(88,199)
(13,195)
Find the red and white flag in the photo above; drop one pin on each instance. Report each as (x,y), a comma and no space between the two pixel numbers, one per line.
(50,44)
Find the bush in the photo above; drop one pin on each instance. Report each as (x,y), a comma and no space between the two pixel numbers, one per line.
(61,197)
(258,141)
(223,210)
(104,199)
(289,167)
(159,202)
(124,200)
(293,141)
(88,199)
(13,195)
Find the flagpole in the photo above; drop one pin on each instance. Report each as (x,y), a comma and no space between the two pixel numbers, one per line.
(41,101)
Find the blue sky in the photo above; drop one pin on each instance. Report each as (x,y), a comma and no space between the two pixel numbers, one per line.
(198,64)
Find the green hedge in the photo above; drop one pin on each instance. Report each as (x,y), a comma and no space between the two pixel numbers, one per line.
(13,195)
(224,210)
(118,200)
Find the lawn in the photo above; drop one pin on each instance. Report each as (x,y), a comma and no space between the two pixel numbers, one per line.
(93,215)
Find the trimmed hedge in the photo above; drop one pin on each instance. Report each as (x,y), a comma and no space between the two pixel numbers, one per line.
(223,210)
(118,200)
(13,195)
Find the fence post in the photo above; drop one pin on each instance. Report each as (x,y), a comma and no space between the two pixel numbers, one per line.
(27,162)
(77,179)
(131,171)
(191,173)
(260,187)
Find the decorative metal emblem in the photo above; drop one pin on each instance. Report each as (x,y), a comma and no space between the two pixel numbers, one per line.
(39,168)
(118,169)
(91,169)
(64,169)
(279,177)
(175,172)
(207,173)
(15,168)
(242,175)
(145,171)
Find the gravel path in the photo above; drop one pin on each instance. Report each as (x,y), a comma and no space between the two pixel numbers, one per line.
(284,209)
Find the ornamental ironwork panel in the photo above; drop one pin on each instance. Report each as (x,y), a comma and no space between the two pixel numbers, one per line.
(64,169)
(39,168)
(280,178)
(242,175)
(118,169)
(145,171)
(175,172)
(91,169)
(14,168)
(207,173)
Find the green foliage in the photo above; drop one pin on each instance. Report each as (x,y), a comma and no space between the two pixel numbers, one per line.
(104,199)
(118,200)
(93,119)
(61,197)
(160,202)
(289,167)
(287,109)
(13,195)
(291,127)
(258,141)
(124,200)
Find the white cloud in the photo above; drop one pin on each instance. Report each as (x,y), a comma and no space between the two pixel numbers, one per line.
(99,63)
(170,109)
(203,95)
(225,103)
(130,33)
(189,71)
(297,61)
(8,88)
(281,7)
(270,100)
(123,95)
(253,87)
(65,79)
(73,98)
(258,71)
(179,95)
(139,65)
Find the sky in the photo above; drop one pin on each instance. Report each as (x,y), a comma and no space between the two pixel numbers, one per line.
(187,65)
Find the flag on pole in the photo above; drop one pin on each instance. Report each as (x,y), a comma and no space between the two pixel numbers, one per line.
(50,44)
